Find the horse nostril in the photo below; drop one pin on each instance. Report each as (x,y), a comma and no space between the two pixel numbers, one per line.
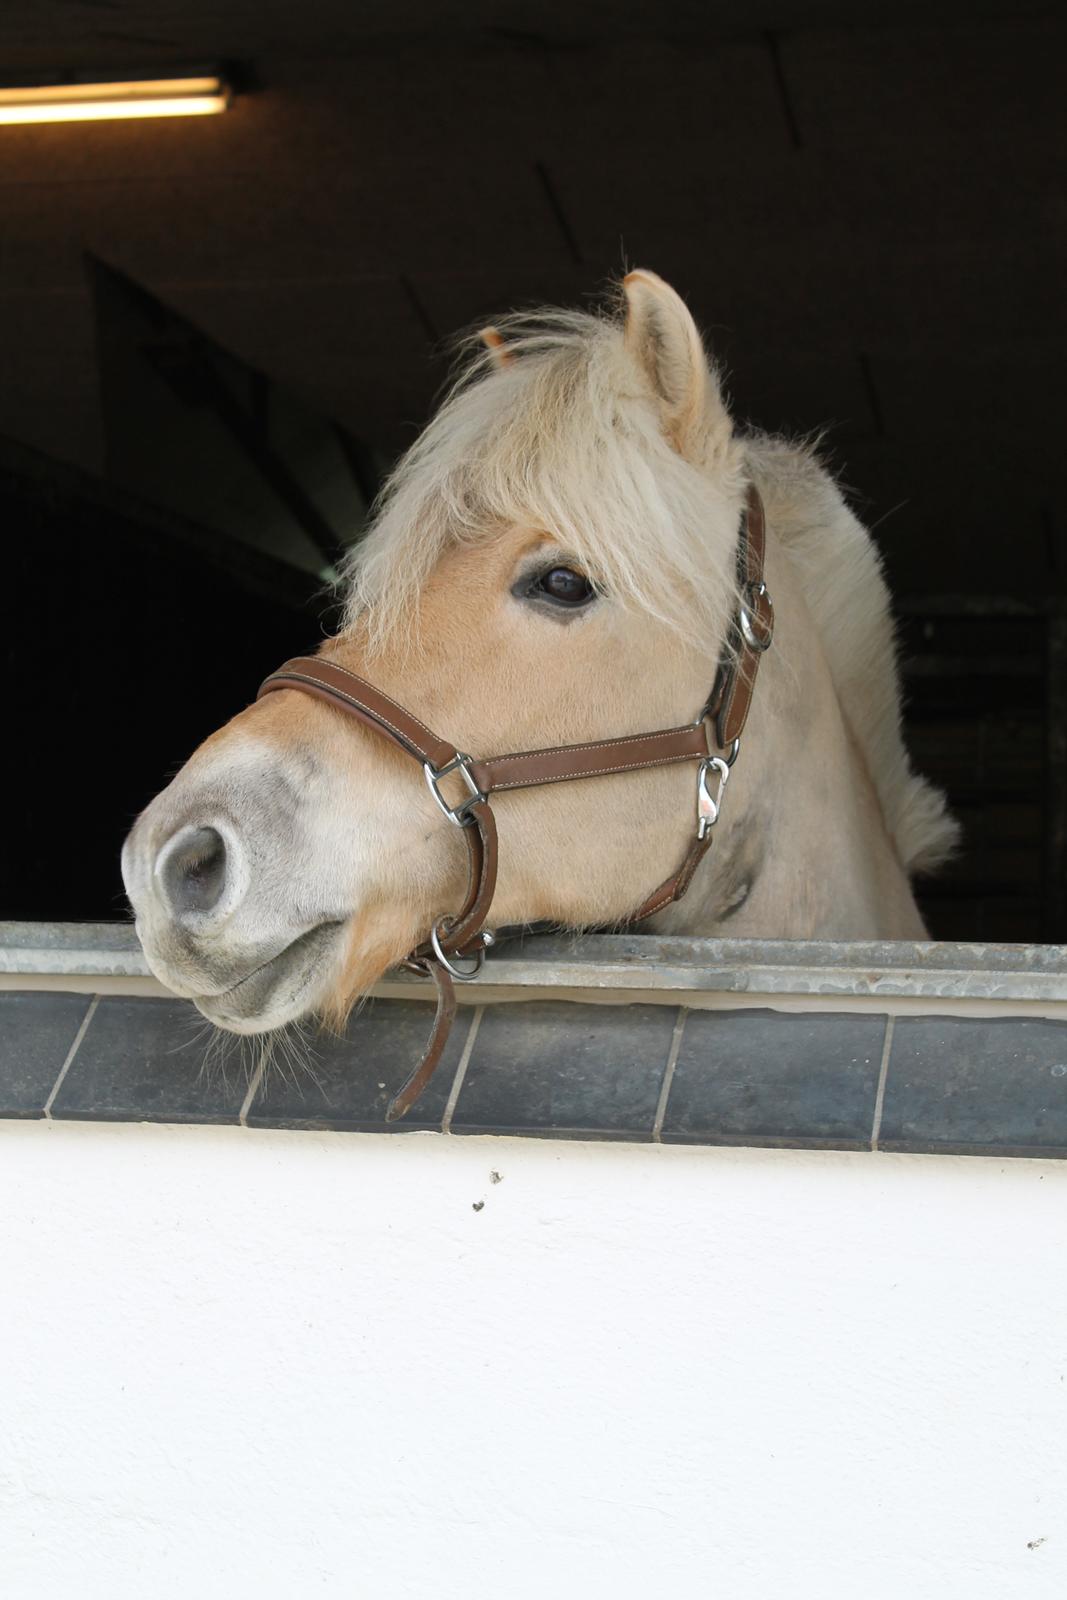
(193,872)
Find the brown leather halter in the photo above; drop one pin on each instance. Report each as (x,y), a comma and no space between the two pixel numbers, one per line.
(465,937)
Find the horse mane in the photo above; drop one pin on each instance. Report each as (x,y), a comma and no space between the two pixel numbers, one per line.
(841,573)
(563,437)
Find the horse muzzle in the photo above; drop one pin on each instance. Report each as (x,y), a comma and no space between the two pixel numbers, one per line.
(222,883)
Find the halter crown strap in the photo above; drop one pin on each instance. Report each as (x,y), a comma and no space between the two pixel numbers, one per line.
(465,935)
(751,631)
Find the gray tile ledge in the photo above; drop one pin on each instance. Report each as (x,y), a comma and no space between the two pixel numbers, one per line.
(353,1078)
(37,1034)
(559,1069)
(770,1077)
(145,1060)
(958,1084)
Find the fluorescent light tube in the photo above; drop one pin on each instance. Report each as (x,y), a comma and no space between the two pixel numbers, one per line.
(100,102)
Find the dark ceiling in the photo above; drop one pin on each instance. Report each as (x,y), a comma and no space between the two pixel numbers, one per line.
(34,32)
(867,219)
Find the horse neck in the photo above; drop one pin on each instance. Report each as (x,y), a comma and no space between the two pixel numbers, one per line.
(802,849)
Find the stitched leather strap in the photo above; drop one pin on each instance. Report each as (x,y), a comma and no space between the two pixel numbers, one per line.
(426,1066)
(362,700)
(527,769)
(735,681)
(673,888)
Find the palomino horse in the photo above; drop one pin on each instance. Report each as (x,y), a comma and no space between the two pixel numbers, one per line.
(554,562)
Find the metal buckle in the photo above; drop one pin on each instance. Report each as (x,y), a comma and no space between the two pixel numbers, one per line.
(460,814)
(707,722)
(748,617)
(477,956)
(709,805)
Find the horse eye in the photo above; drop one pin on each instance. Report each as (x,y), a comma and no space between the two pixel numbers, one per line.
(564,586)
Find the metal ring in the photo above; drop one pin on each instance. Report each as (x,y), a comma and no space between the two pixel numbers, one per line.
(707,723)
(748,614)
(478,957)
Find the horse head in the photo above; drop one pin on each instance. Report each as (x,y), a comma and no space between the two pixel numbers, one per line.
(553,562)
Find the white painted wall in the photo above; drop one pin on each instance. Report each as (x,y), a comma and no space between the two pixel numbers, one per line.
(267,1364)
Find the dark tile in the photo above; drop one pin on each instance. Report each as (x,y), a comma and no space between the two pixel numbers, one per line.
(549,1067)
(996,1085)
(151,1061)
(356,1077)
(37,1029)
(774,1078)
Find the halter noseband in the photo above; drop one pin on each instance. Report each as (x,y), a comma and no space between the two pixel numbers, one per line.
(465,937)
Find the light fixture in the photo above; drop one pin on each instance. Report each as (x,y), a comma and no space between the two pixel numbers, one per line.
(100,102)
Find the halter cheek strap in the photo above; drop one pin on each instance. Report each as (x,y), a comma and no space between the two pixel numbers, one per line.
(470,783)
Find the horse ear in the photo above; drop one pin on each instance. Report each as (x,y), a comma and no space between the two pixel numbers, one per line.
(496,344)
(661,334)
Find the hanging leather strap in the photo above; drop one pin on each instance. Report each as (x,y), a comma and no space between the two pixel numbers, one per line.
(673,888)
(465,935)
(426,1066)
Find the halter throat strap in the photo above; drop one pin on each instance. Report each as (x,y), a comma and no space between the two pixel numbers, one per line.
(463,786)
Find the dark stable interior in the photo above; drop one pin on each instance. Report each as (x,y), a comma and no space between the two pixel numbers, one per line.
(215,334)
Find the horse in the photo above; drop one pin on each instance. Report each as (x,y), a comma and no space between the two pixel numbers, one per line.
(554,562)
